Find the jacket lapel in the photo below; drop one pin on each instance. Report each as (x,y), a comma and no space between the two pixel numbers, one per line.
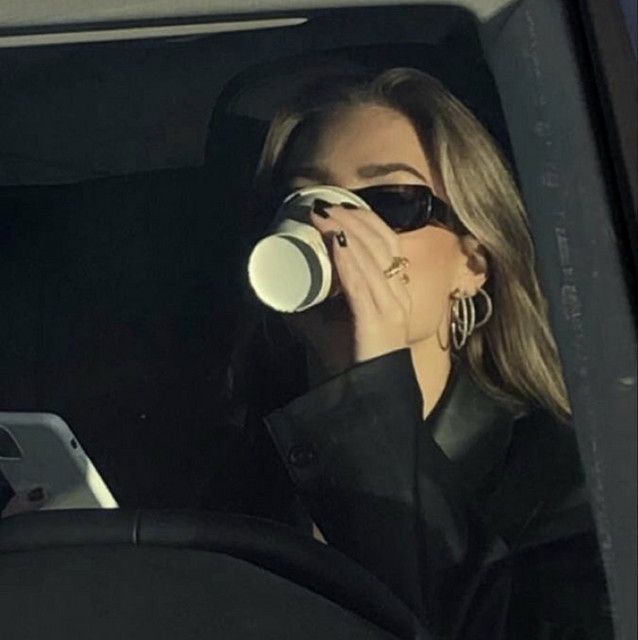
(522,470)
(472,429)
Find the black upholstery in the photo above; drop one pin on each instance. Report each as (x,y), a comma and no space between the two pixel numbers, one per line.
(270,563)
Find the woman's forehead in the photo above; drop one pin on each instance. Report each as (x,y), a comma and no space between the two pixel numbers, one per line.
(356,138)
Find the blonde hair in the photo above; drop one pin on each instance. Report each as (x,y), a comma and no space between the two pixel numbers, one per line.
(513,357)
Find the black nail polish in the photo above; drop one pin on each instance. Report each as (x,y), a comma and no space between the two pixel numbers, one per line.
(349,205)
(35,495)
(319,207)
(341,239)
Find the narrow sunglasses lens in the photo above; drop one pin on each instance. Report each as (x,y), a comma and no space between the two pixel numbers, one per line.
(402,207)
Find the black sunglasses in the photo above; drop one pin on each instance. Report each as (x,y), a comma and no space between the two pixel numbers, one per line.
(406,207)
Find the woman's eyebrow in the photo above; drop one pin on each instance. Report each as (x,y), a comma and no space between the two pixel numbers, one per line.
(311,172)
(377,170)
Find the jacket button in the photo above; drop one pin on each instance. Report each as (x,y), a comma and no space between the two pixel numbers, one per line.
(302,455)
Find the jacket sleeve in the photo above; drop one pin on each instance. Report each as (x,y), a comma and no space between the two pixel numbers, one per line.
(351,448)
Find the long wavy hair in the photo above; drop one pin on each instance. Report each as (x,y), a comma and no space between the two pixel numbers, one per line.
(514,356)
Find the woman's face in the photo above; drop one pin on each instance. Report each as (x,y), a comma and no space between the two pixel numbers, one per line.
(372,145)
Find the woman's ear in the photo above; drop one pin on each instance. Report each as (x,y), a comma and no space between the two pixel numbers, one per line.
(474,267)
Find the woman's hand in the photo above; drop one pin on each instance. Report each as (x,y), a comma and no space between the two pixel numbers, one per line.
(380,306)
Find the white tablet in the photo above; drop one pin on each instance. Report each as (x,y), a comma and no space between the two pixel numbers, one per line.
(40,450)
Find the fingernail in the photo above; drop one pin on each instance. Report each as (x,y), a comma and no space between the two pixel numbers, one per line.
(341,239)
(349,205)
(35,495)
(319,207)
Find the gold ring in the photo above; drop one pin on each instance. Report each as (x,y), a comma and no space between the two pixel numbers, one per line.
(399,263)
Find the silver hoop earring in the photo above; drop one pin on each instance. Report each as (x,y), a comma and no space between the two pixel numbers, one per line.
(464,318)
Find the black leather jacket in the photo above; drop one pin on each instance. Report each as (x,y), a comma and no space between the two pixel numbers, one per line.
(476,517)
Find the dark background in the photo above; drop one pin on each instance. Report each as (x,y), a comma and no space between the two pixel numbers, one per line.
(121,294)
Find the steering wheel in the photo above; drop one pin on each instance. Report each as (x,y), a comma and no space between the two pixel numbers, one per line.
(188,575)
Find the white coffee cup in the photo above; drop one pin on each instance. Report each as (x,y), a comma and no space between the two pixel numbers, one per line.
(290,269)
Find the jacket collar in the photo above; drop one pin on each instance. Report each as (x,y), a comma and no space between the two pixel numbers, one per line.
(513,481)
(473,429)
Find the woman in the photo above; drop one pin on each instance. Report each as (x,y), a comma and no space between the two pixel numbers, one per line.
(432,444)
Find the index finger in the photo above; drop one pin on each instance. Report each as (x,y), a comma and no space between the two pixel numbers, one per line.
(377,223)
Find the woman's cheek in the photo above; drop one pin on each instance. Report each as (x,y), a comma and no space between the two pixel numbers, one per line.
(429,308)
(431,258)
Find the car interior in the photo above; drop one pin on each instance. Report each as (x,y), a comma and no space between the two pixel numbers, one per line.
(125,174)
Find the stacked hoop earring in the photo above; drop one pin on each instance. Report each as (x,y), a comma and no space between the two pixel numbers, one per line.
(464,317)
